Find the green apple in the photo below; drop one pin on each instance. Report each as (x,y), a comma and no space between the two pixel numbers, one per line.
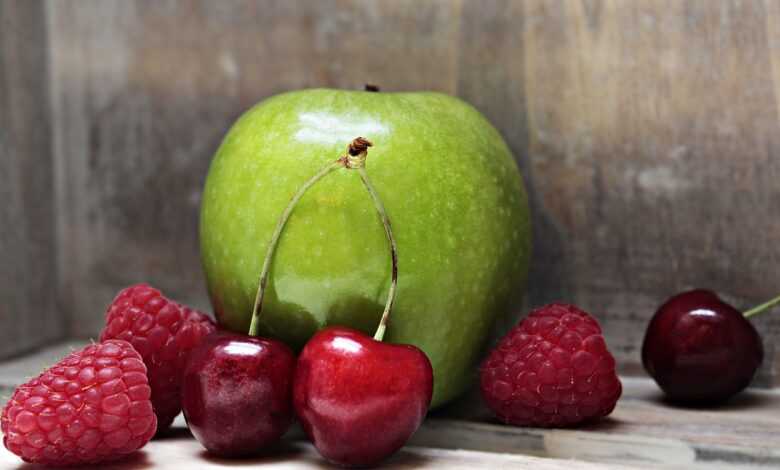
(451,189)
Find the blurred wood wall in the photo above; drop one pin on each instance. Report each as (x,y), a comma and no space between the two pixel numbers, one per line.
(28,284)
(647,130)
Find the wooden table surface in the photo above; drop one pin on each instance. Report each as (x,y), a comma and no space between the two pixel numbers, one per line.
(643,432)
(183,452)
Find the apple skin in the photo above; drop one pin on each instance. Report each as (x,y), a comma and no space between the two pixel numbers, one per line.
(451,188)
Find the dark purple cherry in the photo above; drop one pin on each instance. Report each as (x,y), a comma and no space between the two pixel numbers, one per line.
(701,350)
(237,393)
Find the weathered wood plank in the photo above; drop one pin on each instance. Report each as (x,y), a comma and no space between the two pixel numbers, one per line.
(185,452)
(643,429)
(653,151)
(28,316)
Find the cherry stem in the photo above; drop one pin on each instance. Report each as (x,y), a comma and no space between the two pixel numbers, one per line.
(380,208)
(354,159)
(763,307)
(258,307)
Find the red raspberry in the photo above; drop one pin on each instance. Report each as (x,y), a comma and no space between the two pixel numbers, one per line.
(164,333)
(92,406)
(551,370)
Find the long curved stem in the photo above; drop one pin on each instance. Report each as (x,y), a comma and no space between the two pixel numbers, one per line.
(763,307)
(257,308)
(380,208)
(354,159)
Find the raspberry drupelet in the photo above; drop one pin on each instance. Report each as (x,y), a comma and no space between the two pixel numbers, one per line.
(163,332)
(551,370)
(93,406)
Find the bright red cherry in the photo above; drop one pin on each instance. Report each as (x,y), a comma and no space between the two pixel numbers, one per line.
(701,350)
(359,400)
(237,393)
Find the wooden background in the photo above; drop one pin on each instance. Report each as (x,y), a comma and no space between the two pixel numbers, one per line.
(28,282)
(648,133)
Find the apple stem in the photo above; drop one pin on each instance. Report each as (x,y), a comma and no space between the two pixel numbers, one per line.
(257,308)
(763,307)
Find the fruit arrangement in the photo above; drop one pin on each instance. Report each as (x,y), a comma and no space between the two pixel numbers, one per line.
(109,399)
(447,179)
(358,398)
(239,393)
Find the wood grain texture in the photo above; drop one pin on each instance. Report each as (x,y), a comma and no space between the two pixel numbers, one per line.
(182,451)
(643,430)
(28,317)
(648,132)
(654,146)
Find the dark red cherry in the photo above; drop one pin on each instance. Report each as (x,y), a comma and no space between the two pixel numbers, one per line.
(359,400)
(701,350)
(237,393)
